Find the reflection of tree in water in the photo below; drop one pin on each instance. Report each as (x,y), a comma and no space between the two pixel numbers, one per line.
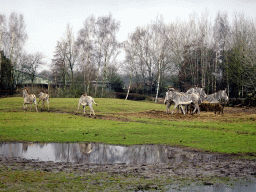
(61,151)
(137,154)
(11,150)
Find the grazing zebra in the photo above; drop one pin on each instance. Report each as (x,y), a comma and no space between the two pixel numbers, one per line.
(28,99)
(217,97)
(43,96)
(86,101)
(167,102)
(181,99)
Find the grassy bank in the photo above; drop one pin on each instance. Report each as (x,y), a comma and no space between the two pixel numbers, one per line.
(61,125)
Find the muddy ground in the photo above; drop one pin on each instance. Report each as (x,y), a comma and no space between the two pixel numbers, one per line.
(197,168)
(229,114)
(221,165)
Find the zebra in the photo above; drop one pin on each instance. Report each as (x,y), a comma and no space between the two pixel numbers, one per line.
(28,99)
(217,97)
(199,91)
(43,96)
(86,101)
(181,99)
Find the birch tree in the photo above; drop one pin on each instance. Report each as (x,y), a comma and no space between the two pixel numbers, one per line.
(131,51)
(107,46)
(160,50)
(85,41)
(71,51)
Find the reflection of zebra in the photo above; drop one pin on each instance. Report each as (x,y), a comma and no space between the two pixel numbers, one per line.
(181,99)
(217,97)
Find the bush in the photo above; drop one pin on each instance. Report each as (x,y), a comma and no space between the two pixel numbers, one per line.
(131,96)
(250,100)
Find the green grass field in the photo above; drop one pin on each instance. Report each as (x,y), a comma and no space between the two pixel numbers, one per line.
(62,125)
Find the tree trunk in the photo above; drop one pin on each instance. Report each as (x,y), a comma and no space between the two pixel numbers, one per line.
(158,81)
(128,91)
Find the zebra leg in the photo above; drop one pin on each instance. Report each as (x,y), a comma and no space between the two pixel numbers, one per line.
(48,104)
(91,111)
(182,110)
(197,108)
(78,108)
(25,108)
(35,105)
(84,109)
(167,107)
(194,109)
(174,108)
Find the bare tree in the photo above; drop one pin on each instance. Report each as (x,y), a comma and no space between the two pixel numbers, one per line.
(85,41)
(221,33)
(12,39)
(131,51)
(71,51)
(59,65)
(33,61)
(106,44)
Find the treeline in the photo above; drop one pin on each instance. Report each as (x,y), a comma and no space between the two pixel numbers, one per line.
(214,54)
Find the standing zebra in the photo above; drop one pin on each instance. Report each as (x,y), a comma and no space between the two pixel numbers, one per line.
(181,99)
(28,99)
(217,97)
(43,96)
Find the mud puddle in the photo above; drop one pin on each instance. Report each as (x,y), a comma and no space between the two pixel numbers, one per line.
(99,153)
(142,161)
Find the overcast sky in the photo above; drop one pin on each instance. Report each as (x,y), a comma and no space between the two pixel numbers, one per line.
(46,20)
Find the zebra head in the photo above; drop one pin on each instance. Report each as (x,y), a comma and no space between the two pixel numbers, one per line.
(223,95)
(25,92)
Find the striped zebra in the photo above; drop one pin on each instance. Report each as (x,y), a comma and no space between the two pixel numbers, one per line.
(43,96)
(180,99)
(86,101)
(28,99)
(199,91)
(217,97)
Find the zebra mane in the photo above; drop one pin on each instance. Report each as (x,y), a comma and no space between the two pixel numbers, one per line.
(44,91)
(25,88)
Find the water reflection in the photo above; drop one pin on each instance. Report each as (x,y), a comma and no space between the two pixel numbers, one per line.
(98,153)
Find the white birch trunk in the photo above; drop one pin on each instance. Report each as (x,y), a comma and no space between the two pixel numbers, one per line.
(158,82)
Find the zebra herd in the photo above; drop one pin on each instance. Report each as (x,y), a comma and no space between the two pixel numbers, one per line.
(44,97)
(193,96)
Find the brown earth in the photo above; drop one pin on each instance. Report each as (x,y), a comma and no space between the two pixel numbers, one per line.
(230,114)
